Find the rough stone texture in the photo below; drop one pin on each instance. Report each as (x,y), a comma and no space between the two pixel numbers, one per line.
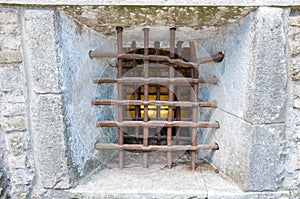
(42,55)
(292,173)
(267,157)
(233,158)
(236,74)
(77,71)
(203,18)
(236,70)
(208,184)
(252,91)
(16,160)
(250,70)
(267,105)
(49,128)
(12,57)
(16,123)
(157,2)
(10,78)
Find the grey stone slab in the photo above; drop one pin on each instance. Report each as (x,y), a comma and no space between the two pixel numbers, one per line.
(156,2)
(10,79)
(8,15)
(234,140)
(18,143)
(15,123)
(133,18)
(236,70)
(48,131)
(40,40)
(267,101)
(77,71)
(267,158)
(137,182)
(10,57)
(251,195)
(13,109)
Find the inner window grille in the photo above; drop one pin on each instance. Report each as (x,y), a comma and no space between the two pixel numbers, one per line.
(157,98)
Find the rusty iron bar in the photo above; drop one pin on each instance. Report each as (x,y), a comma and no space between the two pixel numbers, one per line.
(155,80)
(195,109)
(178,91)
(212,104)
(182,138)
(214,58)
(146,90)
(155,147)
(120,95)
(137,108)
(158,123)
(160,58)
(157,52)
(171,95)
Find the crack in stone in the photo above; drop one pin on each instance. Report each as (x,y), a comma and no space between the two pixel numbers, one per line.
(251,123)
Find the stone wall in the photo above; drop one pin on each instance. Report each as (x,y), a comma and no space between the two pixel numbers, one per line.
(33,134)
(17,162)
(293,117)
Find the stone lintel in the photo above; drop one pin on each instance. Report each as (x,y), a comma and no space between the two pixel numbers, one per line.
(158,2)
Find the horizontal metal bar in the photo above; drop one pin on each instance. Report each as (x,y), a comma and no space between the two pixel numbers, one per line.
(158,58)
(183,138)
(158,124)
(216,58)
(155,103)
(155,147)
(156,80)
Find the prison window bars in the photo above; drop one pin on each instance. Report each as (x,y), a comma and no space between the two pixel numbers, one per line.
(145,81)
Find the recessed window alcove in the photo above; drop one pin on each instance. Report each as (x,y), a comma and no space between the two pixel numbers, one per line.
(235,95)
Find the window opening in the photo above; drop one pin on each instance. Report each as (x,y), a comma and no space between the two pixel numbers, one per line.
(153,102)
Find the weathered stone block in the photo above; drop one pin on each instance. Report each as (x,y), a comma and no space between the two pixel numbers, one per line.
(296,50)
(296,90)
(267,157)
(294,21)
(297,103)
(21,177)
(16,123)
(234,140)
(10,43)
(10,57)
(296,75)
(48,131)
(267,104)
(298,155)
(8,15)
(18,142)
(295,63)
(13,109)
(42,50)
(18,162)
(10,78)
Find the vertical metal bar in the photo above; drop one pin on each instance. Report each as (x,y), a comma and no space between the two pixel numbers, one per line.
(146,92)
(195,109)
(120,96)
(171,96)
(158,129)
(178,91)
(136,94)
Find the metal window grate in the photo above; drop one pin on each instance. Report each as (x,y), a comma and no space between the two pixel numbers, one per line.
(152,106)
